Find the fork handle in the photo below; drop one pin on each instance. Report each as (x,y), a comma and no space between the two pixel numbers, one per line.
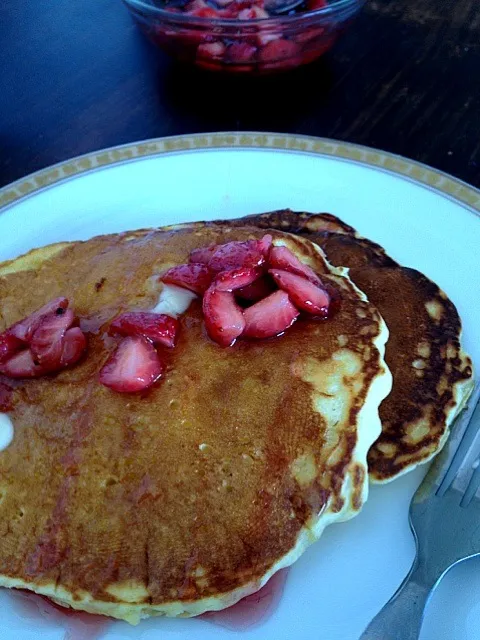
(401,618)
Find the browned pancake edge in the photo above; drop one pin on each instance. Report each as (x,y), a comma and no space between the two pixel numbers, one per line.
(432,376)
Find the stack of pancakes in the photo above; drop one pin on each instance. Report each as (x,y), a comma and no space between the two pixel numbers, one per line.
(190,496)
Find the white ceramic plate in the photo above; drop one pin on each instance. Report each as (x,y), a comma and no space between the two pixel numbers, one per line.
(423,218)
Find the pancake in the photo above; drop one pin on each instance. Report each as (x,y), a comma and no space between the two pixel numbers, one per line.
(189,496)
(432,375)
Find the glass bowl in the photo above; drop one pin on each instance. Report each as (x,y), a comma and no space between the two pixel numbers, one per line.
(249,44)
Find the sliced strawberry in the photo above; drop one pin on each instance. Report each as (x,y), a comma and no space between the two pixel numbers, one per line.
(253,12)
(279,54)
(47,340)
(230,11)
(238,5)
(270,317)
(224,320)
(240,52)
(134,366)
(201,9)
(265,244)
(25,329)
(195,277)
(158,327)
(283,258)
(236,279)
(22,365)
(258,290)
(53,344)
(74,344)
(9,345)
(240,57)
(235,255)
(211,50)
(202,255)
(278,49)
(266,35)
(303,293)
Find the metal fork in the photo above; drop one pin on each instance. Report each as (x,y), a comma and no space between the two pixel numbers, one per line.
(445,521)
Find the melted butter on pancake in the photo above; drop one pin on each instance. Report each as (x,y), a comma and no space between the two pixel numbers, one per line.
(173,301)
(6,431)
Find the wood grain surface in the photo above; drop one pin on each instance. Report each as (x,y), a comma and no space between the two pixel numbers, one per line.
(78,76)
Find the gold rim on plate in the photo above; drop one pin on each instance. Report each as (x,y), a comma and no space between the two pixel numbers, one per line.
(432,179)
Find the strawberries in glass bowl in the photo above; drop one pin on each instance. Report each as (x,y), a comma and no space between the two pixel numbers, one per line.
(241,36)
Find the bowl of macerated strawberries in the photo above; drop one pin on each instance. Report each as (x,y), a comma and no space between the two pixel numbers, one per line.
(244,36)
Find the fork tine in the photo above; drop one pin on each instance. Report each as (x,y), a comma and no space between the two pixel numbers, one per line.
(445,533)
(461,440)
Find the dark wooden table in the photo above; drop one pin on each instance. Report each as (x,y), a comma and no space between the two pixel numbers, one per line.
(77,76)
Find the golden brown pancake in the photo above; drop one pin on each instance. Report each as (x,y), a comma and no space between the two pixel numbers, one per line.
(432,376)
(187,497)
